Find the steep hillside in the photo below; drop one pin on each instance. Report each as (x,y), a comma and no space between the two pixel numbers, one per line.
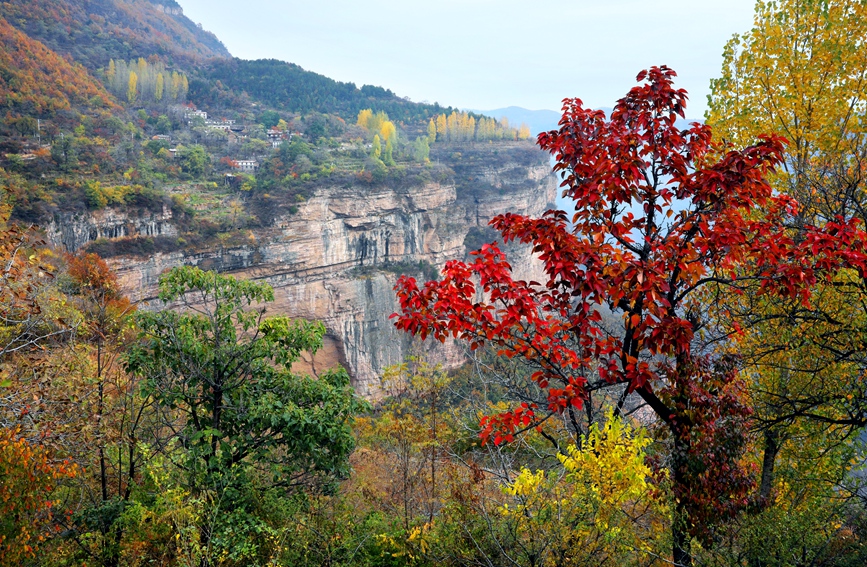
(35,80)
(94,31)
(288,87)
(257,168)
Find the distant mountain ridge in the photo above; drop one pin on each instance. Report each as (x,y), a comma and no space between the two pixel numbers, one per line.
(544,120)
(90,33)
(537,120)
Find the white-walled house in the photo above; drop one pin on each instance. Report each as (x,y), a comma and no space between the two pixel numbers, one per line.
(248,165)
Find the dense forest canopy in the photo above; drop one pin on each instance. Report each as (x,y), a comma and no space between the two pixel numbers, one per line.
(288,87)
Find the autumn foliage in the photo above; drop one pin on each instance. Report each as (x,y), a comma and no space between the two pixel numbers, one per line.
(647,267)
(663,218)
(38,80)
(93,31)
(27,481)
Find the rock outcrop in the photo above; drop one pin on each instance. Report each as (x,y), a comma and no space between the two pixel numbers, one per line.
(72,231)
(337,258)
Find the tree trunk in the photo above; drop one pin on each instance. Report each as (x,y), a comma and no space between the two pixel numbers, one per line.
(772,447)
(681,552)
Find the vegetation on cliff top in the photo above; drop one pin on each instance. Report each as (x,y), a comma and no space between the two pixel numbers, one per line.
(67,145)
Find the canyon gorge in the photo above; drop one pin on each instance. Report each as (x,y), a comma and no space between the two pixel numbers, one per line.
(337,258)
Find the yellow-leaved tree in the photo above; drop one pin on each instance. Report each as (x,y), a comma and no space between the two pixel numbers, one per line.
(364,117)
(132,88)
(387,131)
(598,508)
(442,128)
(801,72)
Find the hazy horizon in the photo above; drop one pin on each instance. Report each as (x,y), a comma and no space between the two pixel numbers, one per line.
(485,54)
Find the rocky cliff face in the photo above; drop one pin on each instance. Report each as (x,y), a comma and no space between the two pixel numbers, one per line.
(337,259)
(73,231)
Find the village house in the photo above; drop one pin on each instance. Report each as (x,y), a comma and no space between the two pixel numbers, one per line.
(276,137)
(218,126)
(225,125)
(231,180)
(190,114)
(249,165)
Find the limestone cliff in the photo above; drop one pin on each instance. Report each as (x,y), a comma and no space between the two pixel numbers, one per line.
(337,258)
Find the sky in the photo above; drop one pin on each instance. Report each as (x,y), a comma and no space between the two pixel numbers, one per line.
(487,54)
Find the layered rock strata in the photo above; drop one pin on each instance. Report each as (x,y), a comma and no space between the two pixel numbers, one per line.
(337,258)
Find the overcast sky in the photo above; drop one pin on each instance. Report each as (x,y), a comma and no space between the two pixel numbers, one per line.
(486,54)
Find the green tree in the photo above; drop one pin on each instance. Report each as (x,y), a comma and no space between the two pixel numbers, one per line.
(316,128)
(25,125)
(269,119)
(63,152)
(222,372)
(164,124)
(421,149)
(194,160)
(290,151)
(158,89)
(377,147)
(388,154)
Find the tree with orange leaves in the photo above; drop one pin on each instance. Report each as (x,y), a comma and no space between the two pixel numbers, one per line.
(27,506)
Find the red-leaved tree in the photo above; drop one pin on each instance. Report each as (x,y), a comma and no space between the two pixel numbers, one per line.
(663,217)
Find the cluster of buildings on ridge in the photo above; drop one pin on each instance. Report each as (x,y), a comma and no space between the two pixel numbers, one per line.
(235,131)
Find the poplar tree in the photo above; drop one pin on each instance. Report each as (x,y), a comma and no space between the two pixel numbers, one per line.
(158,90)
(387,131)
(364,117)
(131,89)
(442,128)
(377,147)
(388,156)
(800,73)
(431,131)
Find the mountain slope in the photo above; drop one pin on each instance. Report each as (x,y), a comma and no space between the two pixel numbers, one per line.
(286,86)
(36,80)
(94,31)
